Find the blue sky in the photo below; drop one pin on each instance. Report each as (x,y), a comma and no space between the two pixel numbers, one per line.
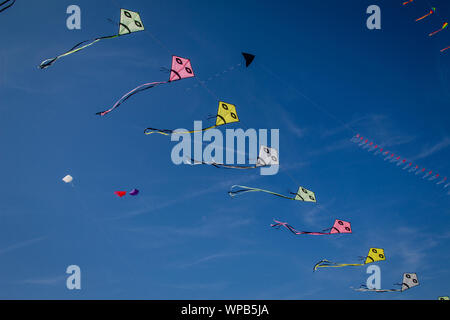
(183,237)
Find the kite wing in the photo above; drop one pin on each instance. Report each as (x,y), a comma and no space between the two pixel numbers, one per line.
(67,179)
(248,58)
(374,255)
(305,195)
(181,69)
(267,157)
(409,280)
(129,22)
(341,226)
(120,194)
(134,192)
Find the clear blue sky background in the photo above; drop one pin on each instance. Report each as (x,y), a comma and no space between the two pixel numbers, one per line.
(183,237)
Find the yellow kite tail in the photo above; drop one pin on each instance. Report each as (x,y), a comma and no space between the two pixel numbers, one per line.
(245,189)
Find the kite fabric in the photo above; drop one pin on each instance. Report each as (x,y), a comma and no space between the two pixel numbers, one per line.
(301,195)
(445,25)
(181,69)
(226,114)
(267,157)
(134,192)
(130,22)
(433,10)
(374,255)
(120,194)
(248,58)
(7,3)
(398,160)
(339,226)
(67,179)
(410,280)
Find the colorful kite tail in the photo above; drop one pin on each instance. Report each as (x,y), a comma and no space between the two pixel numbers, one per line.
(167,132)
(430,13)
(8,6)
(127,95)
(442,28)
(245,189)
(48,62)
(445,49)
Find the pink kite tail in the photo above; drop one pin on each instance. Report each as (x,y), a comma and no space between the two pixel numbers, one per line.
(127,95)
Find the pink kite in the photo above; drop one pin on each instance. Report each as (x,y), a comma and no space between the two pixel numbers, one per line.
(339,226)
(181,69)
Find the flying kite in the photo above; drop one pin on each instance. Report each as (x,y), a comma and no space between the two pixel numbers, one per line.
(267,157)
(67,179)
(374,255)
(181,69)
(398,160)
(226,114)
(134,192)
(301,195)
(248,58)
(406,2)
(8,4)
(445,25)
(409,281)
(445,49)
(120,194)
(130,22)
(340,226)
(433,10)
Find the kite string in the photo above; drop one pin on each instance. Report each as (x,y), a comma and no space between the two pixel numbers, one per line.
(312,102)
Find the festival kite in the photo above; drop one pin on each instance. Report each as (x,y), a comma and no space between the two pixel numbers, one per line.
(374,255)
(445,25)
(7,3)
(406,2)
(433,10)
(399,161)
(301,195)
(410,280)
(267,157)
(340,226)
(181,69)
(67,179)
(445,49)
(130,22)
(120,194)
(226,114)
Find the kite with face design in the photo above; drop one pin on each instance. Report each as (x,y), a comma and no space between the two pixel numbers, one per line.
(339,226)
(374,255)
(410,280)
(226,114)
(302,194)
(181,69)
(267,157)
(130,22)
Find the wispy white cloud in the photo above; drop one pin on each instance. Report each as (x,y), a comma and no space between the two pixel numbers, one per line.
(45,281)
(20,245)
(444,143)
